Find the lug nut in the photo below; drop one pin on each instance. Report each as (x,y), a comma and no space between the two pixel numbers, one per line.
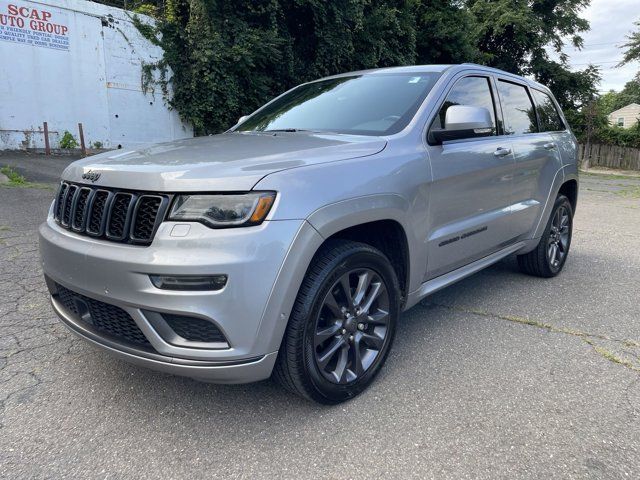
(361,326)
(344,330)
(351,338)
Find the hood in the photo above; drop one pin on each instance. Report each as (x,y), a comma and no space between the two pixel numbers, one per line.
(226,162)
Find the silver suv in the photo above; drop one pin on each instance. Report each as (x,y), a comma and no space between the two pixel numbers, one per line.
(290,244)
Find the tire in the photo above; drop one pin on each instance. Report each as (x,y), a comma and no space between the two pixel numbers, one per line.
(318,325)
(539,261)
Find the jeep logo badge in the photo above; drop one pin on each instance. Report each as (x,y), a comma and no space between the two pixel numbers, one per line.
(91,175)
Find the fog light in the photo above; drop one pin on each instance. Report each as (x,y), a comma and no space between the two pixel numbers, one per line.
(189,282)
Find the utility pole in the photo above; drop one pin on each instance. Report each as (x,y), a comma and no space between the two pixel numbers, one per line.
(591,111)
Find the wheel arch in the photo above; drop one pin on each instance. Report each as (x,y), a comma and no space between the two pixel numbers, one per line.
(565,181)
(570,190)
(376,220)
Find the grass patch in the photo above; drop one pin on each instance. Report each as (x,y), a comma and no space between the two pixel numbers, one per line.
(610,176)
(588,338)
(14,177)
(633,192)
(611,356)
(17,180)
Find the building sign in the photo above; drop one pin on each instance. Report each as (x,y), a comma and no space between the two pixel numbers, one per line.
(32,24)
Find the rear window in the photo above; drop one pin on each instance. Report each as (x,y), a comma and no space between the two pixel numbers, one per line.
(550,119)
(519,113)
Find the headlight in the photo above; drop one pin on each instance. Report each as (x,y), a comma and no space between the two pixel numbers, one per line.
(223,210)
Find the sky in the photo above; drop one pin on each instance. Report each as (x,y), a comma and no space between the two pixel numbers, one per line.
(611,21)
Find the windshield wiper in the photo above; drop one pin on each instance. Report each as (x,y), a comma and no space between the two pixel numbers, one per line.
(286,130)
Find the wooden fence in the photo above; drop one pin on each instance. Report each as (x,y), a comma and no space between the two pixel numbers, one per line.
(610,156)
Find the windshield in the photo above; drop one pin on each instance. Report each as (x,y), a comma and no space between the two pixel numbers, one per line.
(381,104)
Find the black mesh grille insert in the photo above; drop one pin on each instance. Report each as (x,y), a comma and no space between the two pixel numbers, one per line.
(81,205)
(59,199)
(104,317)
(68,204)
(130,217)
(194,329)
(94,224)
(146,214)
(119,215)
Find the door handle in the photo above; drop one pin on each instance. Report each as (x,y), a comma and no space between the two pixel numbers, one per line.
(501,152)
(550,145)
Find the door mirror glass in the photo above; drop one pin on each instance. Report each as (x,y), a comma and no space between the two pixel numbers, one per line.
(465,121)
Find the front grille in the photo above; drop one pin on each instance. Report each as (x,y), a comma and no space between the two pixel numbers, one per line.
(104,317)
(194,329)
(120,216)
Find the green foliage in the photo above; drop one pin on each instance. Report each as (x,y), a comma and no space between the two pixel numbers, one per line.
(147,9)
(68,140)
(225,58)
(613,100)
(597,116)
(14,177)
(446,33)
(632,52)
(613,135)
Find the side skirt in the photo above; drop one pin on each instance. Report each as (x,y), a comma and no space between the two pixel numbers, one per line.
(438,283)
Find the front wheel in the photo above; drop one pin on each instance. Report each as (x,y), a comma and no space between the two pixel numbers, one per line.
(548,258)
(342,324)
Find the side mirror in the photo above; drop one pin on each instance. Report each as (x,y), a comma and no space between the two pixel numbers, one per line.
(242,118)
(464,121)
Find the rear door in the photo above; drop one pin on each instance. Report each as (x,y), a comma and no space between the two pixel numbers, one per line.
(535,152)
(551,121)
(471,189)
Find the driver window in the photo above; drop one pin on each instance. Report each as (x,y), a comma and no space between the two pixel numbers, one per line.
(471,91)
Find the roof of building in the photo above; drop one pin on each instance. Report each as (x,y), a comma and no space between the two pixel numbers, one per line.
(626,106)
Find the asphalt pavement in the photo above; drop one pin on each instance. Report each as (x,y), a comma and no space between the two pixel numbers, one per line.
(499,376)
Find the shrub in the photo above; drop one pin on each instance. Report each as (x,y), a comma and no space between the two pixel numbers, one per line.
(68,140)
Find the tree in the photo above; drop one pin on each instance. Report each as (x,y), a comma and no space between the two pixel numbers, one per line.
(446,33)
(515,35)
(229,57)
(632,52)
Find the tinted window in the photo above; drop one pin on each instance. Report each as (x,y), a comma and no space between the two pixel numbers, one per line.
(550,120)
(472,91)
(379,104)
(519,114)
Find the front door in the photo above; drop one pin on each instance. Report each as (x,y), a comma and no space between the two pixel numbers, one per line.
(472,181)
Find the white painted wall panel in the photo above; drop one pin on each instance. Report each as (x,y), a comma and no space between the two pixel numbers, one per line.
(96,80)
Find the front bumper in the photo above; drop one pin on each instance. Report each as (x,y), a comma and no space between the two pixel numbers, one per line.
(264,265)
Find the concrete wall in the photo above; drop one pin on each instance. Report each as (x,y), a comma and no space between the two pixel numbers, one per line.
(630,115)
(71,61)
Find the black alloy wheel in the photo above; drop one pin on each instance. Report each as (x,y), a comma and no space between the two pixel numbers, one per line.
(342,325)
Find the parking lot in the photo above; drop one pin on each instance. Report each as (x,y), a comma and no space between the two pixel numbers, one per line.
(499,376)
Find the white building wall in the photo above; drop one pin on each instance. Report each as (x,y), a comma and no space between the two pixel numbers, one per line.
(630,115)
(89,73)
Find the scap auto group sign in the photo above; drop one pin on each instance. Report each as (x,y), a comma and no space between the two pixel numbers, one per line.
(33,24)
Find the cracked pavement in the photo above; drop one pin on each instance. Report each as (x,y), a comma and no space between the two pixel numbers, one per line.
(499,376)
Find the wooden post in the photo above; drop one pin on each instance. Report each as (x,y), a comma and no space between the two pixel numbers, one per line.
(47,147)
(82,146)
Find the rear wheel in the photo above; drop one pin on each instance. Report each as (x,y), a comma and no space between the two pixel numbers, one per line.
(548,258)
(342,325)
